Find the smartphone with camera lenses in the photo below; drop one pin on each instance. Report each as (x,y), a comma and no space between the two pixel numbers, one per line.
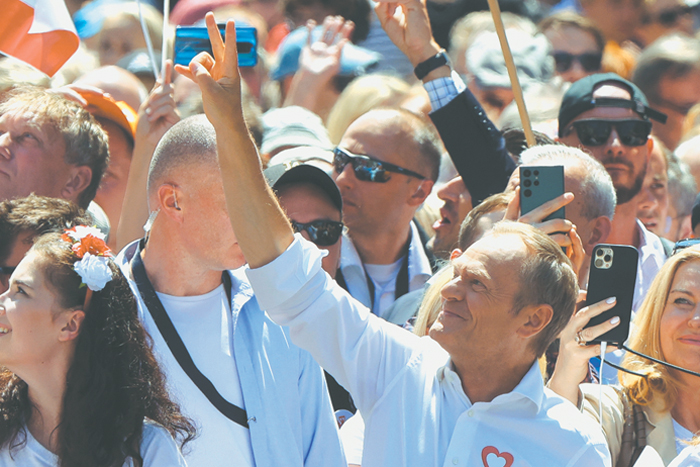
(613,273)
(539,184)
(191,40)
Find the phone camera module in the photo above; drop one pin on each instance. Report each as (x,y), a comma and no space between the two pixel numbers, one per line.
(527,183)
(527,173)
(537,183)
(600,252)
(527,193)
(599,263)
(608,258)
(536,172)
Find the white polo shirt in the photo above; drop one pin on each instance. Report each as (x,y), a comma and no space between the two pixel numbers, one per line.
(415,409)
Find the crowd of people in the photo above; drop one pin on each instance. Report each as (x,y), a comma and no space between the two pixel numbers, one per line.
(322,260)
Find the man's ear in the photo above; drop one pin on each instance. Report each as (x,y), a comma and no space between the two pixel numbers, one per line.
(534,318)
(600,230)
(71,322)
(169,197)
(456,253)
(421,193)
(79,179)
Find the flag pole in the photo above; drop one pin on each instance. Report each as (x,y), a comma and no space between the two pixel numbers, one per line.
(166,28)
(512,72)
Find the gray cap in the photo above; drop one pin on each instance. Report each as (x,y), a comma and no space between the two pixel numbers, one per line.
(292,126)
(532,56)
(280,175)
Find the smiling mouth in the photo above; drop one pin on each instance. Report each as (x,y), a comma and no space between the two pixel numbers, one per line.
(4,330)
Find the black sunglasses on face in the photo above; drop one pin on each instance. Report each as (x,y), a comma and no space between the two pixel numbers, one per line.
(597,132)
(367,169)
(671,16)
(589,61)
(7,270)
(321,232)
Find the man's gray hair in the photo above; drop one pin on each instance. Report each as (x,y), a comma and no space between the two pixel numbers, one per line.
(681,186)
(190,141)
(597,190)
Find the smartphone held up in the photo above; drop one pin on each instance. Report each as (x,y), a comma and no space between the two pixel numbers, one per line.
(191,40)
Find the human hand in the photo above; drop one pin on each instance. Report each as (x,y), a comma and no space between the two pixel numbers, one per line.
(407,24)
(321,58)
(558,229)
(218,77)
(572,364)
(159,112)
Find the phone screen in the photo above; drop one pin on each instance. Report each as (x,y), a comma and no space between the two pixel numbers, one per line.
(191,40)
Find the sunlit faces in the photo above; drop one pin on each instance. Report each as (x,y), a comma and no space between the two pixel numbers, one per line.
(576,42)
(626,165)
(477,315)
(371,207)
(675,97)
(306,203)
(457,202)
(680,323)
(30,324)
(205,221)
(31,157)
(653,199)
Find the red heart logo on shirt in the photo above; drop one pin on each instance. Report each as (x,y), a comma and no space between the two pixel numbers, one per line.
(491,457)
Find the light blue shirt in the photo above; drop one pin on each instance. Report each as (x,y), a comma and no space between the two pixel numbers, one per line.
(284,392)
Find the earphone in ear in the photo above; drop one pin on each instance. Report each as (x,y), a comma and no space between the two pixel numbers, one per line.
(176,206)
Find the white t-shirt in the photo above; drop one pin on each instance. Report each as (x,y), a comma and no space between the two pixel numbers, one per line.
(204,324)
(158,449)
(683,436)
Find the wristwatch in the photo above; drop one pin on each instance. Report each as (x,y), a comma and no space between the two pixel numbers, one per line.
(436,61)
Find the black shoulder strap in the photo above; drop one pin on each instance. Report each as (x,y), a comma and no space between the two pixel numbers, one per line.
(175,344)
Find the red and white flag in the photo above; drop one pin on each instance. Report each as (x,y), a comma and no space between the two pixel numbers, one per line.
(38,32)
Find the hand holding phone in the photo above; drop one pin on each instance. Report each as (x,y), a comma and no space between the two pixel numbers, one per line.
(191,40)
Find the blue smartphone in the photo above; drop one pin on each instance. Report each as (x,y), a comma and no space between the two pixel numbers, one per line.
(191,40)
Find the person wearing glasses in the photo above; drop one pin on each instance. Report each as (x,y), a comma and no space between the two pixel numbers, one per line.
(258,399)
(385,167)
(24,219)
(609,117)
(663,17)
(577,45)
(668,73)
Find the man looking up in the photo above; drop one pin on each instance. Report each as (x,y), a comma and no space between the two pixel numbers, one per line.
(608,116)
(474,392)
(257,399)
(49,146)
(385,166)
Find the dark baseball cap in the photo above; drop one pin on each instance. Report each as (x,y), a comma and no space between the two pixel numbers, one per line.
(287,174)
(579,98)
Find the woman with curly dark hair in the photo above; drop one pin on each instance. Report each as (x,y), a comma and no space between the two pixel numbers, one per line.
(81,386)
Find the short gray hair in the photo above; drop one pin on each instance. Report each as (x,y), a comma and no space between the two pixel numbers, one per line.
(597,190)
(190,141)
(681,186)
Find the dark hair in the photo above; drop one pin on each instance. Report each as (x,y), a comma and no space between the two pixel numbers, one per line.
(358,11)
(85,140)
(565,18)
(39,215)
(113,382)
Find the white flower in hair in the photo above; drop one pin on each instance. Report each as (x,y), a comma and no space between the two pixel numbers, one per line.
(94,271)
(79,232)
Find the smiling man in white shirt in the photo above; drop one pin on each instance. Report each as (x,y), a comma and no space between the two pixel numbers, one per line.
(472,395)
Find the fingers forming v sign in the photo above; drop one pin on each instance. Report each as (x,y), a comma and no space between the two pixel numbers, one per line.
(218,76)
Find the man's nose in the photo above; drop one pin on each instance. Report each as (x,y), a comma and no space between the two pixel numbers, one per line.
(345,177)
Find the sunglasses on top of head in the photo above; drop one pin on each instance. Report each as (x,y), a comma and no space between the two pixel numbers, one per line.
(368,169)
(321,232)
(597,132)
(589,61)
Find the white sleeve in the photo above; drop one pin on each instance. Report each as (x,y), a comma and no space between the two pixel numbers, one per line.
(352,435)
(158,448)
(689,457)
(363,352)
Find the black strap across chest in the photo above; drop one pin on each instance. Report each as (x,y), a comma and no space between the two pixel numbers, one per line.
(175,344)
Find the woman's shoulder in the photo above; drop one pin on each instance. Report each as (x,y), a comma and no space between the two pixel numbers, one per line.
(158,447)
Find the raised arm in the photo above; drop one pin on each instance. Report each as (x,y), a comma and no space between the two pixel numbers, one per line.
(475,145)
(262,230)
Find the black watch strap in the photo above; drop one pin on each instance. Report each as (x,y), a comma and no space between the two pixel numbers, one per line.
(436,61)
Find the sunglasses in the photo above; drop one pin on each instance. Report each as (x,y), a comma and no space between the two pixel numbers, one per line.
(597,132)
(671,16)
(321,232)
(589,61)
(367,169)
